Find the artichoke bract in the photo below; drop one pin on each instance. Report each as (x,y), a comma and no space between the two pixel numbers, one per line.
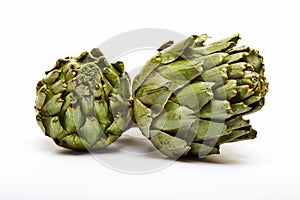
(84,102)
(191,98)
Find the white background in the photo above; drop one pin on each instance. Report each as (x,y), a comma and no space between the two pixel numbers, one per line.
(34,34)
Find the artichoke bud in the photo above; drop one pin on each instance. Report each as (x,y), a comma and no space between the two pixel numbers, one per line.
(74,103)
(191,97)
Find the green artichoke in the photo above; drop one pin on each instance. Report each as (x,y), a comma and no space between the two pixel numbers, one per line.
(85,102)
(191,98)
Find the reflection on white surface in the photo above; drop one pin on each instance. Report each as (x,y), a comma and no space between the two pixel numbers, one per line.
(135,154)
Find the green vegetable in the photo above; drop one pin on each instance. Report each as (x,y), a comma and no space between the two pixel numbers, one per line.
(191,98)
(84,102)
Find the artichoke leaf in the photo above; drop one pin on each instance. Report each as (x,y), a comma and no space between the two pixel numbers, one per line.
(171,146)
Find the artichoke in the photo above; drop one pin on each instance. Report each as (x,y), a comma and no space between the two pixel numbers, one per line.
(191,98)
(84,102)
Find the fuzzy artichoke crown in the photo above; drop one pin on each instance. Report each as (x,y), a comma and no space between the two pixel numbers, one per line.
(84,102)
